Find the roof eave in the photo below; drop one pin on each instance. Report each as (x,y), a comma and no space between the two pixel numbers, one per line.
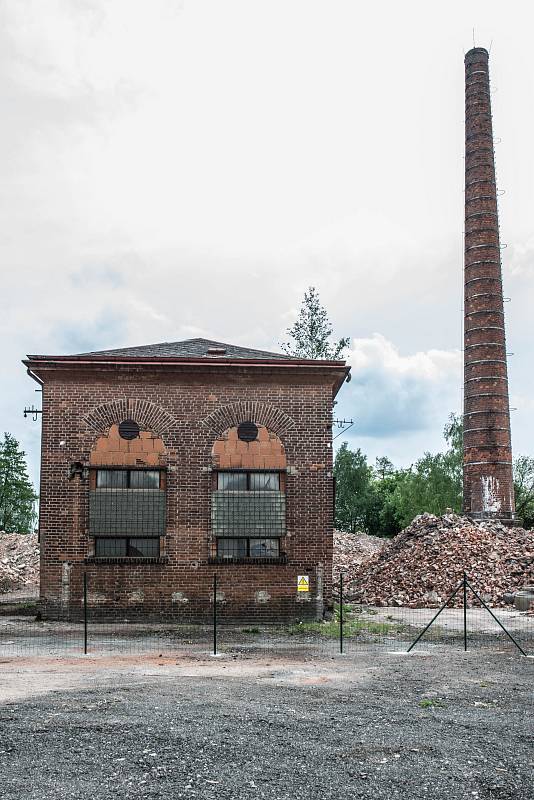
(36,363)
(38,360)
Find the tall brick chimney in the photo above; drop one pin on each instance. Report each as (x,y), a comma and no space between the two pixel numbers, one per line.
(488,481)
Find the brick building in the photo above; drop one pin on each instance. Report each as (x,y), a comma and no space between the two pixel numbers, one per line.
(166,464)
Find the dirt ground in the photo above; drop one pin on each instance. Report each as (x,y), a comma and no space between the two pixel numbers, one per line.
(437,724)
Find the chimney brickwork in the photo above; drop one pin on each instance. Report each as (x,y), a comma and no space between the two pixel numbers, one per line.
(488,480)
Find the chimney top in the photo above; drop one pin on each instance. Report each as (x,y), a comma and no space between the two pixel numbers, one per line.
(476,51)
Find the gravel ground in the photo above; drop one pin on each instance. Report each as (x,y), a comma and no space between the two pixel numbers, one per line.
(441,725)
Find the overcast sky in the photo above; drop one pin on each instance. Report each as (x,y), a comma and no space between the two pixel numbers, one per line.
(177,169)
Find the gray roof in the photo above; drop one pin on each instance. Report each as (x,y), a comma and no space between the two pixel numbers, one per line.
(190,348)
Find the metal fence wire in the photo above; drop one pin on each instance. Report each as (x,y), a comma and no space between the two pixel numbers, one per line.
(463,620)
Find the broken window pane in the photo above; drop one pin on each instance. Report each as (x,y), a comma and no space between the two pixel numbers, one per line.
(122,547)
(264,548)
(266,481)
(143,548)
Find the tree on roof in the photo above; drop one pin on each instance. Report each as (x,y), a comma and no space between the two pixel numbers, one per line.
(17,497)
(311,332)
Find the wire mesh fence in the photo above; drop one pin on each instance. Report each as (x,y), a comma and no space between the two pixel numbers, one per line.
(463,620)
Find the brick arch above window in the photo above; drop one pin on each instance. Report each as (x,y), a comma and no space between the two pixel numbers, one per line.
(266,452)
(149,416)
(110,449)
(263,414)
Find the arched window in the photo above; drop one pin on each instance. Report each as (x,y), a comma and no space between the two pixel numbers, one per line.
(127,493)
(248,511)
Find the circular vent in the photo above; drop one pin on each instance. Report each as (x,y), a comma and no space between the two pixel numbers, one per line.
(247,432)
(128,429)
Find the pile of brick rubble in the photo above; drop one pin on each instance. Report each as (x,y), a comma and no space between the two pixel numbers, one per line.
(424,563)
(19,561)
(352,550)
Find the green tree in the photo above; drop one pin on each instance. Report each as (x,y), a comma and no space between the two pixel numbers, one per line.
(388,499)
(385,486)
(383,500)
(353,489)
(311,332)
(524,489)
(364,495)
(384,467)
(430,485)
(453,433)
(17,497)
(434,482)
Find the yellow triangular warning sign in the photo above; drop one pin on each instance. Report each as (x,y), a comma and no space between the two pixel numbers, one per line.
(303,583)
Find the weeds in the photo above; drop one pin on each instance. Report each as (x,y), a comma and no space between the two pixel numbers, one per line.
(351,628)
(429,703)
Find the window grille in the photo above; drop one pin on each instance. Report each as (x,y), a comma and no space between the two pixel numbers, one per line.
(126,547)
(247,513)
(249,505)
(127,503)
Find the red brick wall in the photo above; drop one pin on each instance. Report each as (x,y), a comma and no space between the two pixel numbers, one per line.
(488,482)
(186,413)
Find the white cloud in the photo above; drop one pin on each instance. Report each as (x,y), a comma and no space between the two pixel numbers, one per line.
(521,258)
(377,353)
(189,168)
(392,394)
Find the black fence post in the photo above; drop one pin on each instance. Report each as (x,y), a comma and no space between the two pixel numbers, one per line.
(214,614)
(85,613)
(497,620)
(465,612)
(340,612)
(434,618)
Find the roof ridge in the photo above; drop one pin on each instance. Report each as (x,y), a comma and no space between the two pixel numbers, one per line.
(195,347)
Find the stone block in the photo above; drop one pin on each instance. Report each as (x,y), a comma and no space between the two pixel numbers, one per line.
(523,601)
(179,597)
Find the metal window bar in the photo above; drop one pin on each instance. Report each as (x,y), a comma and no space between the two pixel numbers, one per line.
(248,513)
(128,512)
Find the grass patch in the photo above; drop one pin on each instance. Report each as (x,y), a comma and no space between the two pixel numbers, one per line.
(355,623)
(429,703)
(250,630)
(351,628)
(347,610)
(26,608)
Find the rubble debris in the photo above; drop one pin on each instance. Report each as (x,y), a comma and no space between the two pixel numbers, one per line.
(422,565)
(19,561)
(353,549)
